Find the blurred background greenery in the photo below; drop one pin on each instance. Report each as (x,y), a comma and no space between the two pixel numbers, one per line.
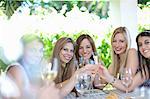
(99,8)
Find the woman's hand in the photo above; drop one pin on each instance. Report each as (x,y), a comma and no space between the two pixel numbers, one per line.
(88,69)
(104,74)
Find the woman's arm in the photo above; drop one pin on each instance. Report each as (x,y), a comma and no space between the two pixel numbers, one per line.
(15,74)
(132,60)
(100,82)
(135,83)
(117,83)
(69,84)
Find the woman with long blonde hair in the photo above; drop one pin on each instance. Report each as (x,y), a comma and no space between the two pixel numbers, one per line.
(122,54)
(122,57)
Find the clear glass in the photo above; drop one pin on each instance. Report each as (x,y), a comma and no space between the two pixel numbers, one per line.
(97,77)
(83,84)
(96,57)
(49,71)
(126,78)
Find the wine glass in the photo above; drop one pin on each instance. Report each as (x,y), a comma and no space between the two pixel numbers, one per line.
(49,72)
(83,83)
(126,78)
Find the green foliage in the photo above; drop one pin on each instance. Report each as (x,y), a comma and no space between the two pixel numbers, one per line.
(142,28)
(2,65)
(103,49)
(9,6)
(99,8)
(143,2)
(50,40)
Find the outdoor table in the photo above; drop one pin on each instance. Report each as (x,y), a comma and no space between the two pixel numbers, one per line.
(100,94)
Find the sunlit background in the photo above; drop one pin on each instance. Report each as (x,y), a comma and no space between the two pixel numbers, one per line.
(50,18)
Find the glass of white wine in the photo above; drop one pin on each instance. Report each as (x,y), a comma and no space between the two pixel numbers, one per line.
(97,76)
(49,72)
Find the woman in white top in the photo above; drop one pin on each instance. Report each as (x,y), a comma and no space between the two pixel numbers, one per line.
(26,73)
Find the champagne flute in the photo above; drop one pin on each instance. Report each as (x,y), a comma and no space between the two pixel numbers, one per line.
(81,61)
(126,78)
(96,57)
(49,72)
(97,77)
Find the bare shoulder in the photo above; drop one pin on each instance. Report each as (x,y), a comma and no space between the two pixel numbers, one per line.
(132,60)
(132,52)
(14,71)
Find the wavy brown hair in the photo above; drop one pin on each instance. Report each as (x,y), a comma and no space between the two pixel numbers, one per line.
(64,73)
(78,42)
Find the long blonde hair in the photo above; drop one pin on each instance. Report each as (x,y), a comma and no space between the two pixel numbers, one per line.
(66,72)
(115,58)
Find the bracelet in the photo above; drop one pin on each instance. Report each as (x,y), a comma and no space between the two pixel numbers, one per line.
(114,79)
(61,85)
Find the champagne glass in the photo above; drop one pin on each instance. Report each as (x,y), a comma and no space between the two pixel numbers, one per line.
(97,76)
(96,57)
(81,62)
(126,78)
(49,72)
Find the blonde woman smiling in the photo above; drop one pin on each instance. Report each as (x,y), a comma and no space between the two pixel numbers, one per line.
(122,56)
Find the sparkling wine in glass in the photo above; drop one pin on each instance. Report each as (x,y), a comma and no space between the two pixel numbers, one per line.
(49,72)
(81,62)
(96,57)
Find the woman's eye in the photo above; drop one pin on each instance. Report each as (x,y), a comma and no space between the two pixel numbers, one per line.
(122,41)
(88,46)
(65,49)
(80,47)
(114,41)
(147,42)
(71,50)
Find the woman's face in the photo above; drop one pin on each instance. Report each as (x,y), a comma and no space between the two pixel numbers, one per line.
(33,52)
(144,46)
(119,43)
(85,49)
(66,53)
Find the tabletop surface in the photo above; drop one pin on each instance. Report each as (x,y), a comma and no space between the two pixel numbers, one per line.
(100,94)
